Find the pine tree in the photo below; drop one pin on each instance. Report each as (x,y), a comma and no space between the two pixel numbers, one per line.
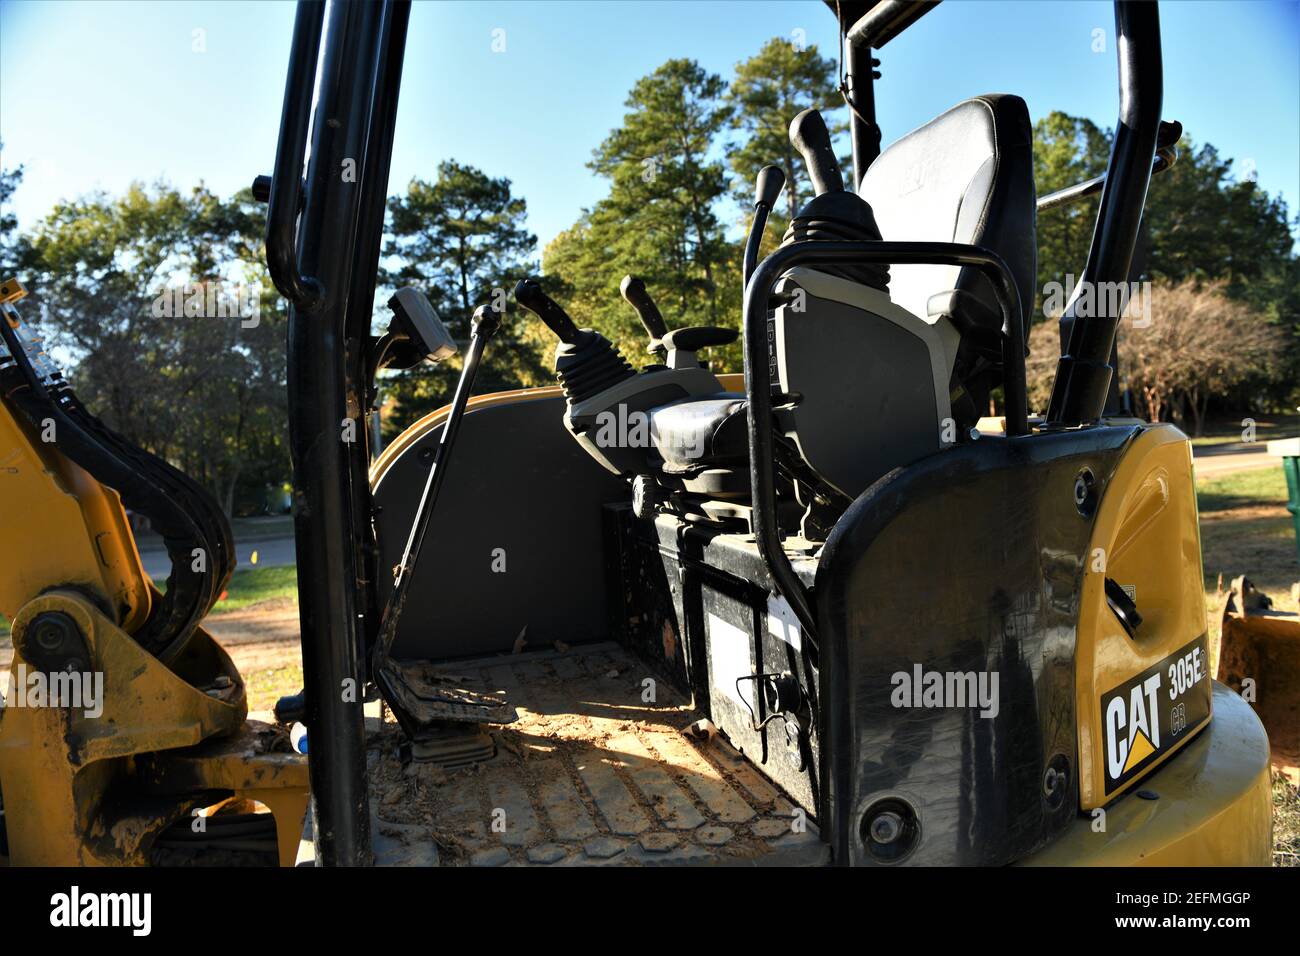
(769,90)
(463,241)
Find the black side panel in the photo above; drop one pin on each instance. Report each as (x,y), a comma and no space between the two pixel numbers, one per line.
(966,562)
(700,604)
(523,493)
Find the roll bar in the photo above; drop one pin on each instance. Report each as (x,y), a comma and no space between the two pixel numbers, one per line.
(285,193)
(1166,157)
(1083,372)
(330,226)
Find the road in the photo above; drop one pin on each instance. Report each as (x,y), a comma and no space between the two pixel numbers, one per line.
(1213,460)
(271,539)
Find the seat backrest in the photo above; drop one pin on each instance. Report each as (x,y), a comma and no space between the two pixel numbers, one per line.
(966,176)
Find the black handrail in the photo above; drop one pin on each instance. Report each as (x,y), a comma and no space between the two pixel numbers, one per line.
(286,181)
(1166,157)
(1167,137)
(324,424)
(758,379)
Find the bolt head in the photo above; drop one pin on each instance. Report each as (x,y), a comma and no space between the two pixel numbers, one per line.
(886,827)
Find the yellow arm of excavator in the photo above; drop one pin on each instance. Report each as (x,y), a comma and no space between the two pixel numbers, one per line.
(59,527)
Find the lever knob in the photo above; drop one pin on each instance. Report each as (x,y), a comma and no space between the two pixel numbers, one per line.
(529,294)
(637,296)
(809,135)
(771,180)
(486,321)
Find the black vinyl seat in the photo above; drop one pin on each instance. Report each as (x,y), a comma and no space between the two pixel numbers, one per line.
(699,433)
(966,176)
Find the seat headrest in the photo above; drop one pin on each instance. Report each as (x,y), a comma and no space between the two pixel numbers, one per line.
(966,176)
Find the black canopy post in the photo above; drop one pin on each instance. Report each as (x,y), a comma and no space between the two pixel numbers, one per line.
(342,198)
(1084,371)
(864,131)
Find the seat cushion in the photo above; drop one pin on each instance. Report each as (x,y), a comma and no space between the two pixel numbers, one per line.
(698,433)
(966,176)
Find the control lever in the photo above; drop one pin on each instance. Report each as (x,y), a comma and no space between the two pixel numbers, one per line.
(529,294)
(636,295)
(484,325)
(767,190)
(809,135)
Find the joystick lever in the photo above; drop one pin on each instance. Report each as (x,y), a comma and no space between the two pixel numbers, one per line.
(809,135)
(530,295)
(635,293)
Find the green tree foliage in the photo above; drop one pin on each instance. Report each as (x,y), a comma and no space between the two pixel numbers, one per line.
(1067,150)
(9,180)
(141,293)
(1202,224)
(660,218)
(768,91)
(463,241)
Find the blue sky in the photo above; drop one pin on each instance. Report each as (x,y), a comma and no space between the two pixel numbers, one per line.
(95,95)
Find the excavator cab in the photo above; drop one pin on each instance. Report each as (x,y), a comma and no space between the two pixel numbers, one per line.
(824,610)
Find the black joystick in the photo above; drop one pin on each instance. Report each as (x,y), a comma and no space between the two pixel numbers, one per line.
(809,135)
(636,295)
(529,294)
(585,361)
(767,189)
(771,180)
(833,213)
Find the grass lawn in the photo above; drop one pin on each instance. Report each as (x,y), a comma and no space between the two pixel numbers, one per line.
(253,585)
(1246,529)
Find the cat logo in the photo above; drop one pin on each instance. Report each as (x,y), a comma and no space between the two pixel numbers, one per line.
(1153,713)
(1132,728)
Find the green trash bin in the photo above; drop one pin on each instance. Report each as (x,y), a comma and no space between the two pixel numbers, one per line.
(1288,449)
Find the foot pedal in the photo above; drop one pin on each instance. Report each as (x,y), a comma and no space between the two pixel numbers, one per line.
(440,717)
(430,695)
(452,746)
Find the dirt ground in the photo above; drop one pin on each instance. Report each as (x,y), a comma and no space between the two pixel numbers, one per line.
(262,640)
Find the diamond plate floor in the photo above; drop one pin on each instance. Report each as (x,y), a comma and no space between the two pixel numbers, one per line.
(590,774)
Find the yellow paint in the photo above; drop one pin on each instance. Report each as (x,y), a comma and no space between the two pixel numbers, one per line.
(1139,751)
(1214,805)
(159,739)
(68,528)
(11,290)
(1146,535)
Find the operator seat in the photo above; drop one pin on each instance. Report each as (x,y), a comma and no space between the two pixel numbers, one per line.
(966,176)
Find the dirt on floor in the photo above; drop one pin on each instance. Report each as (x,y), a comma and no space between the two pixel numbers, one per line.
(595,769)
(262,640)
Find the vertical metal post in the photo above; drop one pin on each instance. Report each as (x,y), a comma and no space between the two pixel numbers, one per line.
(322,423)
(373,179)
(859,67)
(1084,372)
